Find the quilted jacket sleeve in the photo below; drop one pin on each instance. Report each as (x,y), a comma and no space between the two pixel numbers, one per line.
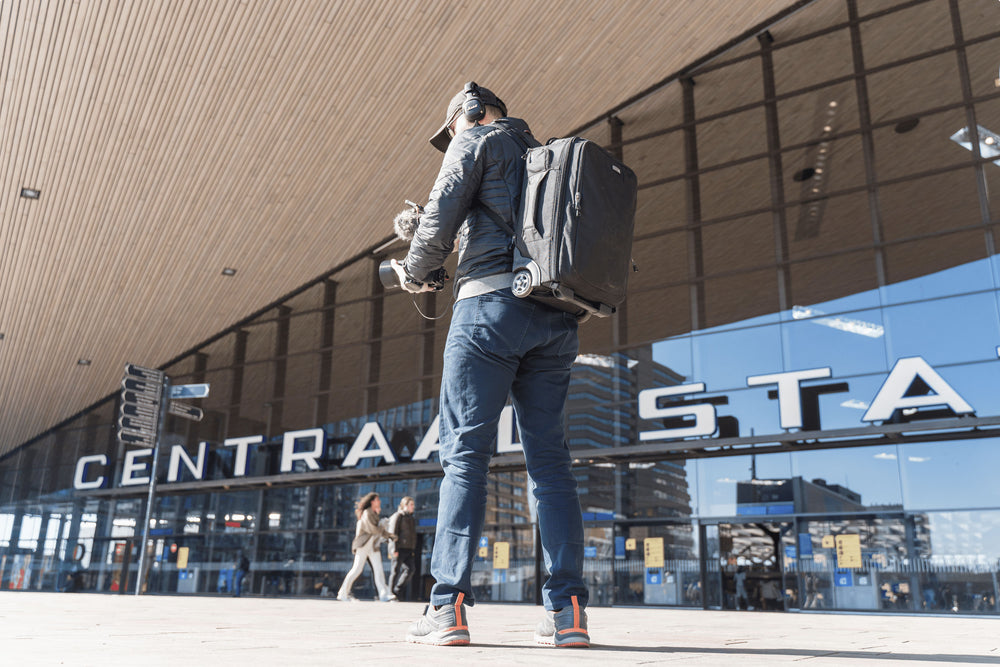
(454,193)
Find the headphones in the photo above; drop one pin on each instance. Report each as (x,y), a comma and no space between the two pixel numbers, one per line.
(473,107)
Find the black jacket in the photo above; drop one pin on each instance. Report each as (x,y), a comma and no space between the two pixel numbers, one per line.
(404,526)
(483,166)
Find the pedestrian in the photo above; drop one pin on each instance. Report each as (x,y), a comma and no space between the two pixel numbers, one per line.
(242,569)
(402,550)
(813,597)
(368,534)
(740,579)
(497,346)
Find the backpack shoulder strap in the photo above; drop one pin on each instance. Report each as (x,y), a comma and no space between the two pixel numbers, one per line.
(490,213)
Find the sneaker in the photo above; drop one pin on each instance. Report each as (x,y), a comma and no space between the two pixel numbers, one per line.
(566,628)
(347,598)
(446,626)
(388,598)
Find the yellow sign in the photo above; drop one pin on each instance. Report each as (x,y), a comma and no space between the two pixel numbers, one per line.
(484,552)
(501,555)
(182,558)
(653,547)
(848,551)
(630,544)
(827,542)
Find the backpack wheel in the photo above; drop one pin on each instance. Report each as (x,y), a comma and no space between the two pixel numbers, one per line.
(521,285)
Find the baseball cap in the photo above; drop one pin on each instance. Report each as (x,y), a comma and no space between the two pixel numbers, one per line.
(440,140)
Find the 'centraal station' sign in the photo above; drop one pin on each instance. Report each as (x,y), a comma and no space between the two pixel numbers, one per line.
(698,420)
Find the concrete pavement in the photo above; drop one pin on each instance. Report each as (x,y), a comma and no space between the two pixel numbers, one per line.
(106,630)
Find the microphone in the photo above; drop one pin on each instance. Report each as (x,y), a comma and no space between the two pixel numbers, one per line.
(406,221)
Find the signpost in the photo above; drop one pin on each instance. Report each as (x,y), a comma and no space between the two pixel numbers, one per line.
(186,411)
(140,422)
(144,403)
(139,408)
(189,391)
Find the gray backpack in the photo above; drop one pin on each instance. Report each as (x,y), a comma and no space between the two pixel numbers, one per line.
(573,232)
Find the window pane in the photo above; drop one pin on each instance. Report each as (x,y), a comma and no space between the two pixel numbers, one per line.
(822,280)
(723,360)
(945,475)
(828,224)
(661,206)
(848,342)
(661,260)
(979,17)
(740,297)
(735,190)
(731,137)
(928,27)
(804,118)
(731,86)
(651,314)
(982,63)
(931,204)
(720,480)
(872,472)
(661,155)
(813,61)
(921,149)
(824,167)
(988,116)
(914,87)
(738,244)
(937,266)
(944,331)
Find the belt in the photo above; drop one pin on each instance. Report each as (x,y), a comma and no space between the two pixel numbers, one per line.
(476,286)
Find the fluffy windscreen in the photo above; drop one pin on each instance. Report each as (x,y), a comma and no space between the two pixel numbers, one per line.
(405,223)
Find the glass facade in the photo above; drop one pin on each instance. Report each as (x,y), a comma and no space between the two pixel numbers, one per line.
(794,409)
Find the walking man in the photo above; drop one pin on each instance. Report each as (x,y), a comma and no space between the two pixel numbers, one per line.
(402,550)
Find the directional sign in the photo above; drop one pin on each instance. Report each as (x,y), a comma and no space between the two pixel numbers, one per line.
(189,391)
(186,411)
(145,434)
(138,424)
(139,408)
(143,386)
(132,438)
(144,373)
(139,399)
(133,410)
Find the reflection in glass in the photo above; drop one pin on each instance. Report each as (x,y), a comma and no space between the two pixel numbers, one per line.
(951,475)
(726,358)
(944,331)
(869,473)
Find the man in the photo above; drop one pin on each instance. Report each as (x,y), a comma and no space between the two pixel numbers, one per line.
(740,580)
(498,345)
(242,569)
(402,549)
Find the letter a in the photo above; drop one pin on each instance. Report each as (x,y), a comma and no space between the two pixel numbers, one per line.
(891,396)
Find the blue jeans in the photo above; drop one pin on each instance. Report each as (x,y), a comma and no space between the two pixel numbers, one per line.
(238,582)
(499,345)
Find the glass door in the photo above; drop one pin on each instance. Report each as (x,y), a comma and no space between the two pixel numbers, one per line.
(750,566)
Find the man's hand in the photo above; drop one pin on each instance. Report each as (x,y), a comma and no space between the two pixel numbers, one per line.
(406,283)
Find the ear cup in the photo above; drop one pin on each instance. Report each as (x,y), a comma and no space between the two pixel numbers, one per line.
(473,107)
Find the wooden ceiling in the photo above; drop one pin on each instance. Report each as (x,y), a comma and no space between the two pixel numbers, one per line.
(170,139)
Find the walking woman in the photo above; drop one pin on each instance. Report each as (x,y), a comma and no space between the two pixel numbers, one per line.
(367,537)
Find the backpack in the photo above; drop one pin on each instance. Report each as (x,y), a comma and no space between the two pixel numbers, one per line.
(573,231)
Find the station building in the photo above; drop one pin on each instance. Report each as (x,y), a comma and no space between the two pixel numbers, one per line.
(800,394)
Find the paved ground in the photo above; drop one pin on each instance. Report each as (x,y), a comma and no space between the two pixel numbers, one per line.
(105,630)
